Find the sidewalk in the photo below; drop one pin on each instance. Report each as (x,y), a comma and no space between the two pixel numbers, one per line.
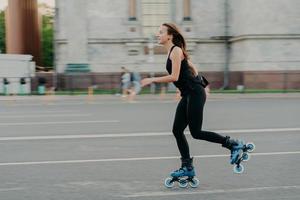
(146,97)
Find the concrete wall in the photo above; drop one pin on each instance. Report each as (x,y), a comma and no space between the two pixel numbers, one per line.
(208,17)
(265,36)
(250,17)
(14,67)
(265,53)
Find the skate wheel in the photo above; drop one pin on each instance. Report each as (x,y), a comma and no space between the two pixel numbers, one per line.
(246,157)
(238,169)
(169,183)
(183,183)
(194,183)
(250,147)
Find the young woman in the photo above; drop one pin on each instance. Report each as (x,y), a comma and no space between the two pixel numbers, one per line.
(189,112)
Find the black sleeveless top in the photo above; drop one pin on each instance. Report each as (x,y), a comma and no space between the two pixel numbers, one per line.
(186,80)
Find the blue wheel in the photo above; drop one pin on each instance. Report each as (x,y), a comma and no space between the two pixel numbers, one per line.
(169,183)
(238,169)
(183,183)
(250,147)
(246,157)
(194,183)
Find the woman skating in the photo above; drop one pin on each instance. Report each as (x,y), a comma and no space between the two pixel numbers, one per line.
(189,111)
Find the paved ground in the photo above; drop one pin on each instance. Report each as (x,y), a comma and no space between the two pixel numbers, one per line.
(107,148)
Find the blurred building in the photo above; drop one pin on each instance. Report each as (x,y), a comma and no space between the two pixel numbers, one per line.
(22,30)
(251,42)
(46,10)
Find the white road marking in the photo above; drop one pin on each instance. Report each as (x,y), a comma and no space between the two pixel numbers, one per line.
(261,130)
(8,113)
(119,135)
(44,115)
(11,189)
(217,191)
(136,159)
(56,123)
(92,102)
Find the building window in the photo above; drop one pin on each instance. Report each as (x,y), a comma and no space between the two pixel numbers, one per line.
(132,10)
(187,10)
(154,13)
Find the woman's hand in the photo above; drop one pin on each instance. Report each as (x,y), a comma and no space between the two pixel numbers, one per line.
(146,81)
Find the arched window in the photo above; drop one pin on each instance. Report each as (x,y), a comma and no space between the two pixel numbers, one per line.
(187,10)
(132,10)
(154,13)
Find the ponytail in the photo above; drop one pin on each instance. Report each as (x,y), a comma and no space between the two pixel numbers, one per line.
(178,39)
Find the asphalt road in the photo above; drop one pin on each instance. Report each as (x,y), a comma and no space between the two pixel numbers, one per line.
(107,148)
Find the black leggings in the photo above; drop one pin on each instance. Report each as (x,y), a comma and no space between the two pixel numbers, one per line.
(190,112)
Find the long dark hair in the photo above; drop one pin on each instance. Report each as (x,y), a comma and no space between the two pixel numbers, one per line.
(178,38)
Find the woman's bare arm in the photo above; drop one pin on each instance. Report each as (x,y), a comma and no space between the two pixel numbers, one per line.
(175,56)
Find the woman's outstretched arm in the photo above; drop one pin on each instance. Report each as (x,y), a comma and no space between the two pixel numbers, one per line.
(176,63)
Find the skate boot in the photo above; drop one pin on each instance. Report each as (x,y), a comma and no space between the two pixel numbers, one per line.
(239,152)
(235,146)
(184,175)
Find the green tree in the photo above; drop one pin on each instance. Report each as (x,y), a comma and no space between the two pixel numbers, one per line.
(2,32)
(47,41)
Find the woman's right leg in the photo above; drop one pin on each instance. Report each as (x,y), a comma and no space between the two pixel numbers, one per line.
(180,123)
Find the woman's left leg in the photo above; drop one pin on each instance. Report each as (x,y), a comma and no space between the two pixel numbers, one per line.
(196,102)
